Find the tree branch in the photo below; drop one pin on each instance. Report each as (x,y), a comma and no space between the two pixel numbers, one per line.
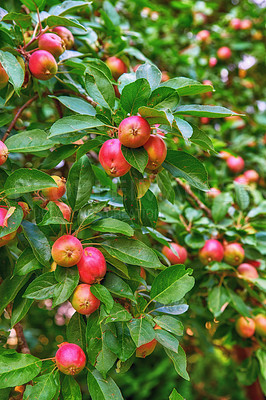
(22,342)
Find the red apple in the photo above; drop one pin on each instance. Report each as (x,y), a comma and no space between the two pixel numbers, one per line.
(234,254)
(203,36)
(170,255)
(247,271)
(212,62)
(3,152)
(251,175)
(25,208)
(112,159)
(134,131)
(235,164)
(241,179)
(52,43)
(245,327)
(70,358)
(224,53)
(65,35)
(235,23)
(211,251)
(116,66)
(67,251)
(246,24)
(260,324)
(65,209)
(7,238)
(213,192)
(42,65)
(224,155)
(146,349)
(83,300)
(91,266)
(156,150)
(55,193)
(4,78)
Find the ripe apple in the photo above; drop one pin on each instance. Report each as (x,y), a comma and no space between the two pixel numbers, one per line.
(83,300)
(246,24)
(70,358)
(67,251)
(260,324)
(211,251)
(116,66)
(204,120)
(65,209)
(212,62)
(170,255)
(65,35)
(91,266)
(235,23)
(147,348)
(247,271)
(42,65)
(245,327)
(213,192)
(157,151)
(224,53)
(224,155)
(4,78)
(234,254)
(235,164)
(3,152)
(203,36)
(25,208)
(241,179)
(55,193)
(52,43)
(251,175)
(7,238)
(134,131)
(112,159)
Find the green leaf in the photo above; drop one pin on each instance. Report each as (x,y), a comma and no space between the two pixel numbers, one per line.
(141,331)
(167,340)
(103,295)
(217,297)
(242,197)
(13,69)
(23,20)
(9,288)
(175,396)
(112,225)
(170,324)
(186,86)
(41,288)
(76,104)
(20,308)
(201,139)
(135,95)
(118,286)
(26,263)
(17,369)
(105,359)
(138,158)
(179,361)
(99,87)
(172,284)
(184,128)
(68,279)
(38,242)
(25,180)
(13,222)
(102,389)
(86,147)
(70,389)
(79,183)
(74,123)
(29,141)
(151,73)
(33,4)
(118,313)
(68,7)
(132,252)
(220,206)
(165,185)
(261,356)
(154,116)
(53,216)
(204,111)
(88,213)
(59,154)
(184,165)
(54,20)
(44,387)
(163,98)
(238,304)
(76,329)
(121,343)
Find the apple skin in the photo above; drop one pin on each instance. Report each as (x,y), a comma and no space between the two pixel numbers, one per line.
(241,180)
(211,251)
(246,24)
(116,66)
(112,159)
(3,153)
(65,209)
(52,43)
(42,65)
(260,324)
(213,192)
(181,251)
(4,240)
(65,35)
(224,53)
(55,193)
(4,78)
(67,251)
(91,266)
(203,36)
(146,349)
(142,273)
(235,164)
(234,254)
(235,23)
(251,175)
(212,62)
(25,208)
(247,271)
(134,131)
(157,151)
(224,155)
(83,300)
(245,327)
(70,358)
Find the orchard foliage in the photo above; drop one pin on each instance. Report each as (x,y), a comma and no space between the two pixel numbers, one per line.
(106,205)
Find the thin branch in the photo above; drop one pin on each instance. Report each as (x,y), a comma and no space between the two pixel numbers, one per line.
(22,342)
(187,189)
(83,96)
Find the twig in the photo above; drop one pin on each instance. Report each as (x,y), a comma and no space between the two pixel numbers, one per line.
(22,342)
(83,96)
(187,189)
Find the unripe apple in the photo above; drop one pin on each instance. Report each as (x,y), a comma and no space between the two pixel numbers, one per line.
(70,358)
(25,208)
(246,24)
(211,251)
(170,255)
(65,35)
(157,151)
(213,192)
(247,271)
(241,179)
(42,65)
(134,131)
(245,327)
(52,43)
(224,53)
(260,324)
(65,209)
(112,159)
(3,152)
(251,175)
(165,76)
(55,193)
(235,23)
(203,36)
(116,66)
(4,78)
(234,254)
(212,62)
(7,238)
(67,251)
(235,164)
(91,266)
(83,300)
